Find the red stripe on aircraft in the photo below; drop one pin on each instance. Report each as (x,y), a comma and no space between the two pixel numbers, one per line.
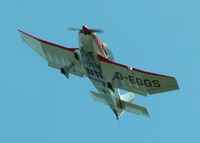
(120,104)
(100,41)
(59,46)
(94,37)
(131,100)
(112,62)
(130,68)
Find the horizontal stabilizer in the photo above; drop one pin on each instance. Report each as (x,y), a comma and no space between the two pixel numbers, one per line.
(133,108)
(98,97)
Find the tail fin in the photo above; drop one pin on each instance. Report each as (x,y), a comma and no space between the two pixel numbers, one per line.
(128,97)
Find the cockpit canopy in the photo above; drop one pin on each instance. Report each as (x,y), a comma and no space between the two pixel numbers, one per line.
(108,52)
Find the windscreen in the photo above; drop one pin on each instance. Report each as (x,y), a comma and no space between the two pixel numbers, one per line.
(108,52)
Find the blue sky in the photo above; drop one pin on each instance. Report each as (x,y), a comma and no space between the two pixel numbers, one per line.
(38,104)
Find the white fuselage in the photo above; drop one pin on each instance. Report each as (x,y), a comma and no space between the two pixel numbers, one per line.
(90,47)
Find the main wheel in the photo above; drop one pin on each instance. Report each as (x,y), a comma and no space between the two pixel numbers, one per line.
(62,71)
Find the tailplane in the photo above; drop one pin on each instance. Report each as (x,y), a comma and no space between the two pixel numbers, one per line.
(125,101)
(98,97)
(135,109)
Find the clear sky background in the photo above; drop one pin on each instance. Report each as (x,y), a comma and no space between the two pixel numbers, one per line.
(39,105)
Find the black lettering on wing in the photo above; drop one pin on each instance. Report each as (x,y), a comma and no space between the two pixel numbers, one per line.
(139,81)
(119,75)
(147,83)
(132,79)
(156,83)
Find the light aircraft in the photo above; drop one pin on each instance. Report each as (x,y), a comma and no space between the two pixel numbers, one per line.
(94,59)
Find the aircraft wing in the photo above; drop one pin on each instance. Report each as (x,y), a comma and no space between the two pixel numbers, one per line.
(135,80)
(57,56)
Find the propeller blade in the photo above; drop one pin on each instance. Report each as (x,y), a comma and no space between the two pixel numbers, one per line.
(90,30)
(72,28)
(96,30)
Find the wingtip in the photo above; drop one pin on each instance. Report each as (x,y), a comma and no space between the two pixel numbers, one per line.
(146,113)
(21,32)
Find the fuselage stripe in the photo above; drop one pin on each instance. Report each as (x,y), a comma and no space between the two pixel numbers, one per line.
(99,47)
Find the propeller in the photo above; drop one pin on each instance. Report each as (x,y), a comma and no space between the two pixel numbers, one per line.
(75,29)
(85,29)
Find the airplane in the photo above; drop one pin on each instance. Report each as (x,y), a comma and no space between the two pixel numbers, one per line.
(94,59)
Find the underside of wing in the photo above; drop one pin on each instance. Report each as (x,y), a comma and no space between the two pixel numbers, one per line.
(135,80)
(57,56)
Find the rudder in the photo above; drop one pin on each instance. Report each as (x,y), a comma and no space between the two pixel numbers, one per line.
(128,97)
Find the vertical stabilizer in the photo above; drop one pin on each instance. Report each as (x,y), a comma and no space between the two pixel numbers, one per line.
(128,97)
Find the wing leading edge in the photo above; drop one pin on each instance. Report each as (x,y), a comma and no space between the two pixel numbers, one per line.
(57,56)
(135,80)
